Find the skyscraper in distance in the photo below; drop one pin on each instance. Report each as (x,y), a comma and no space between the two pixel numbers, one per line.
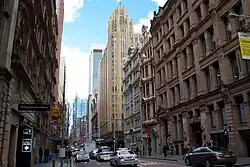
(110,97)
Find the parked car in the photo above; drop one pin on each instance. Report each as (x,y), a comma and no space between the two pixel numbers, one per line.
(124,157)
(104,154)
(93,154)
(82,156)
(210,156)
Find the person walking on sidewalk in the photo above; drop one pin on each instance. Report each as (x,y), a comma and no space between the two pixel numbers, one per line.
(164,150)
(40,155)
(46,155)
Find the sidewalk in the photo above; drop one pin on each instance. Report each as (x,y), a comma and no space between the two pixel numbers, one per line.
(241,161)
(168,158)
(57,164)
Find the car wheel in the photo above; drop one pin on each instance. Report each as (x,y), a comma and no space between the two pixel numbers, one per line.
(187,162)
(208,163)
(116,164)
(110,162)
(229,165)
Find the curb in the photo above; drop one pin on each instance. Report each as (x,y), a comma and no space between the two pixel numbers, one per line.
(239,165)
(166,159)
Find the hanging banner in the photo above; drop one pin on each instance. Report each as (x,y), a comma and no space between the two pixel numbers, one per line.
(56,116)
(244,39)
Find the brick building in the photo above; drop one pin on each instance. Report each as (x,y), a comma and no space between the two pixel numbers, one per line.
(202,83)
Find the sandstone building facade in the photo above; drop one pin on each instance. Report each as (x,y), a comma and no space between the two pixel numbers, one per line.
(202,83)
(28,62)
(147,94)
(131,96)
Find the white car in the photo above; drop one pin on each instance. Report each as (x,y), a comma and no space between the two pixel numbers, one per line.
(124,158)
(82,156)
(104,154)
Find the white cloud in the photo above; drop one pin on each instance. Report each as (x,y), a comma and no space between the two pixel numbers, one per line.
(160,2)
(118,0)
(71,9)
(143,21)
(77,67)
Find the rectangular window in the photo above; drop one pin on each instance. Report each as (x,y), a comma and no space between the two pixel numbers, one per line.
(243,118)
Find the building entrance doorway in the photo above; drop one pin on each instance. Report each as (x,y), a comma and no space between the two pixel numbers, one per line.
(248,147)
(197,134)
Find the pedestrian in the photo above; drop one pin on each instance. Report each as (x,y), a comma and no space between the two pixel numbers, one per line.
(149,150)
(164,150)
(40,155)
(137,150)
(46,155)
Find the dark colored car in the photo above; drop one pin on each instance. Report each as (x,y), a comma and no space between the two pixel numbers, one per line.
(210,156)
(93,154)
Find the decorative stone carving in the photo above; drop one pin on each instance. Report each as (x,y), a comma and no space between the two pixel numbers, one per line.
(225,93)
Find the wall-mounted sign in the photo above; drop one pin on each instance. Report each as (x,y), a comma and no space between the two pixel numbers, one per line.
(56,116)
(26,145)
(33,107)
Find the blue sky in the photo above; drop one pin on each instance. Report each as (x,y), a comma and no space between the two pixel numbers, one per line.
(85,25)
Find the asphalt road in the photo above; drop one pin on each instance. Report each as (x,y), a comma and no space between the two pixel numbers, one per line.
(142,163)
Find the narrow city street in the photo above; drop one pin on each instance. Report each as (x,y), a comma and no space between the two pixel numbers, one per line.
(142,163)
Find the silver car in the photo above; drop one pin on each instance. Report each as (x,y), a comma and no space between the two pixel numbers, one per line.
(82,156)
(124,157)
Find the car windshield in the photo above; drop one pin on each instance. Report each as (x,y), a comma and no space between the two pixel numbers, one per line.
(105,150)
(218,149)
(126,152)
(81,152)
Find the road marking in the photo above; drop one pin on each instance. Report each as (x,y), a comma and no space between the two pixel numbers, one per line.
(98,163)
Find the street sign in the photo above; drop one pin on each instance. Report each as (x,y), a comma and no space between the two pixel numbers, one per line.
(26,145)
(27,131)
(33,107)
(56,116)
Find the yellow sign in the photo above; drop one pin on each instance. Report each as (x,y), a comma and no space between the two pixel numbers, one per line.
(244,39)
(56,116)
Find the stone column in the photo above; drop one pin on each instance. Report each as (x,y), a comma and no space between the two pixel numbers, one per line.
(225,69)
(186,128)
(189,56)
(208,41)
(220,32)
(180,64)
(246,107)
(241,64)
(193,20)
(176,93)
(204,10)
(246,9)
(172,42)
(217,109)
(149,69)
(174,126)
(192,88)
(213,77)
(179,128)
(232,116)
(174,65)
(150,88)
(206,122)
(183,7)
(170,76)
(234,24)
(186,90)
(185,27)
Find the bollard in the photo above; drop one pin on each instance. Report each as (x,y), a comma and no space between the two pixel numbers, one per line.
(54,163)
